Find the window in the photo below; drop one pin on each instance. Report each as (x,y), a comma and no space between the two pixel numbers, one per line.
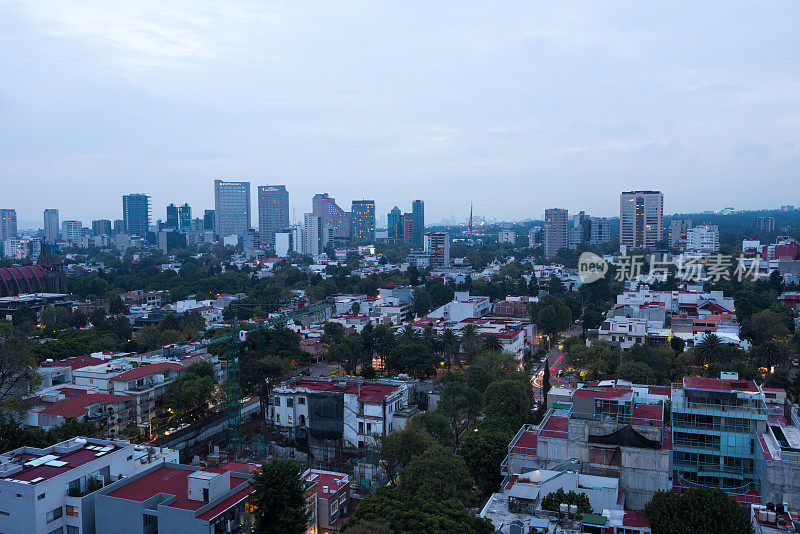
(301,400)
(59,530)
(369,428)
(4,514)
(72,511)
(40,497)
(52,515)
(277,418)
(289,402)
(290,419)
(360,427)
(130,457)
(72,530)
(277,401)
(148,519)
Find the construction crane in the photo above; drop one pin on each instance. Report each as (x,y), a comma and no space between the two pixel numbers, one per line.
(238,334)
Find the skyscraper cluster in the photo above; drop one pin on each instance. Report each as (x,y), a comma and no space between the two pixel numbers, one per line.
(407,227)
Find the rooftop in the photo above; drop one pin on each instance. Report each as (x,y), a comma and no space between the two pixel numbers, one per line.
(366,391)
(328,482)
(43,464)
(720,384)
(76,362)
(149,369)
(616,392)
(76,406)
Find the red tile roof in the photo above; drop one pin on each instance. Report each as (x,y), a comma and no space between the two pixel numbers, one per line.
(616,392)
(367,392)
(635,519)
(76,406)
(326,479)
(169,480)
(647,414)
(557,424)
(526,444)
(719,384)
(149,369)
(76,362)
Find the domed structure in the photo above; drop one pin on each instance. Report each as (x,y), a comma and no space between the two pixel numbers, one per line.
(47,276)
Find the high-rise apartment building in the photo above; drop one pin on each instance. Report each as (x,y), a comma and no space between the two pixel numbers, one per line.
(641,218)
(556,231)
(136,214)
(418,212)
(101,227)
(408,229)
(678,229)
(335,218)
(232,208)
(437,244)
(71,231)
(316,234)
(703,238)
(185,218)
(363,221)
(599,231)
(8,223)
(172,217)
(119,226)
(394,223)
(51,225)
(765,224)
(273,212)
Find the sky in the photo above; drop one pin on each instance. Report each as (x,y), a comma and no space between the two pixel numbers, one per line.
(512,106)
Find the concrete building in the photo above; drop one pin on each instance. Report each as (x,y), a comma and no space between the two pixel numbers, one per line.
(338,412)
(231,208)
(678,232)
(333,498)
(101,227)
(418,222)
(291,239)
(184,218)
(437,244)
(641,216)
(599,230)
(556,231)
(765,224)
(178,499)
(136,214)
(703,239)
(51,226)
(8,223)
(316,235)
(363,221)
(463,306)
(334,218)
(507,236)
(71,231)
(273,212)
(536,236)
(53,490)
(210,220)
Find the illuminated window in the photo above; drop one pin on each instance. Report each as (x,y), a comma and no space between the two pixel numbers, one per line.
(290,419)
(72,510)
(277,418)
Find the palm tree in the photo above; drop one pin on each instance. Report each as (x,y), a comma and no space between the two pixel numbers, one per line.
(408,334)
(431,339)
(710,350)
(492,344)
(470,343)
(450,344)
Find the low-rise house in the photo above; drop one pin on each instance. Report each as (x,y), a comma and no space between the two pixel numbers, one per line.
(333,498)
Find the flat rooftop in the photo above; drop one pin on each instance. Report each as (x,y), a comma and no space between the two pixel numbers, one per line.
(720,384)
(368,392)
(40,466)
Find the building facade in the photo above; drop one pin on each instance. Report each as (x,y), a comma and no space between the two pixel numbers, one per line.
(71,231)
(394,224)
(703,238)
(8,223)
(363,221)
(273,212)
(418,222)
(101,227)
(556,231)
(231,208)
(136,214)
(316,235)
(437,244)
(51,226)
(641,216)
(678,230)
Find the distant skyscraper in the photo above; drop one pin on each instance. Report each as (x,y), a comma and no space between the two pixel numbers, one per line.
(101,227)
(232,207)
(600,230)
(8,224)
(185,218)
(335,218)
(418,211)
(119,226)
(136,214)
(273,212)
(408,229)
(641,218)
(316,234)
(765,224)
(363,221)
(50,226)
(556,231)
(438,245)
(394,223)
(71,231)
(209,220)
(172,217)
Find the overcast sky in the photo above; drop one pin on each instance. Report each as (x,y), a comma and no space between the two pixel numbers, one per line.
(514,106)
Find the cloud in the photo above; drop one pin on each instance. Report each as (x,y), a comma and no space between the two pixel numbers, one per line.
(746,148)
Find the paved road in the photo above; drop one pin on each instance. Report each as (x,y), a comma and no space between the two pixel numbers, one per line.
(555,358)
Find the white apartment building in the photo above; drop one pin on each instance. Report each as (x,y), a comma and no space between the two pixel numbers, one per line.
(507,236)
(51,490)
(463,306)
(703,239)
(347,408)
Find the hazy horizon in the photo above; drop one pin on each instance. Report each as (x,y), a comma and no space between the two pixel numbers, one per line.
(513,106)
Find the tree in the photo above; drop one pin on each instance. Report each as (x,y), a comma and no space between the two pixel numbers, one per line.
(552,500)
(552,315)
(437,474)
(483,452)
(368,527)
(18,374)
(470,342)
(709,350)
(421,301)
(414,358)
(349,353)
(435,424)
(492,344)
(507,398)
(55,318)
(450,345)
(417,516)
(766,326)
(698,511)
(116,306)
(280,507)
(677,344)
(332,334)
(399,447)
(636,372)
(259,374)
(546,379)
(192,391)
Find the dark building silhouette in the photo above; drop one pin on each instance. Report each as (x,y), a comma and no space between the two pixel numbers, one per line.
(47,276)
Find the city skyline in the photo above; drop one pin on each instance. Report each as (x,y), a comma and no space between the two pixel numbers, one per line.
(582,102)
